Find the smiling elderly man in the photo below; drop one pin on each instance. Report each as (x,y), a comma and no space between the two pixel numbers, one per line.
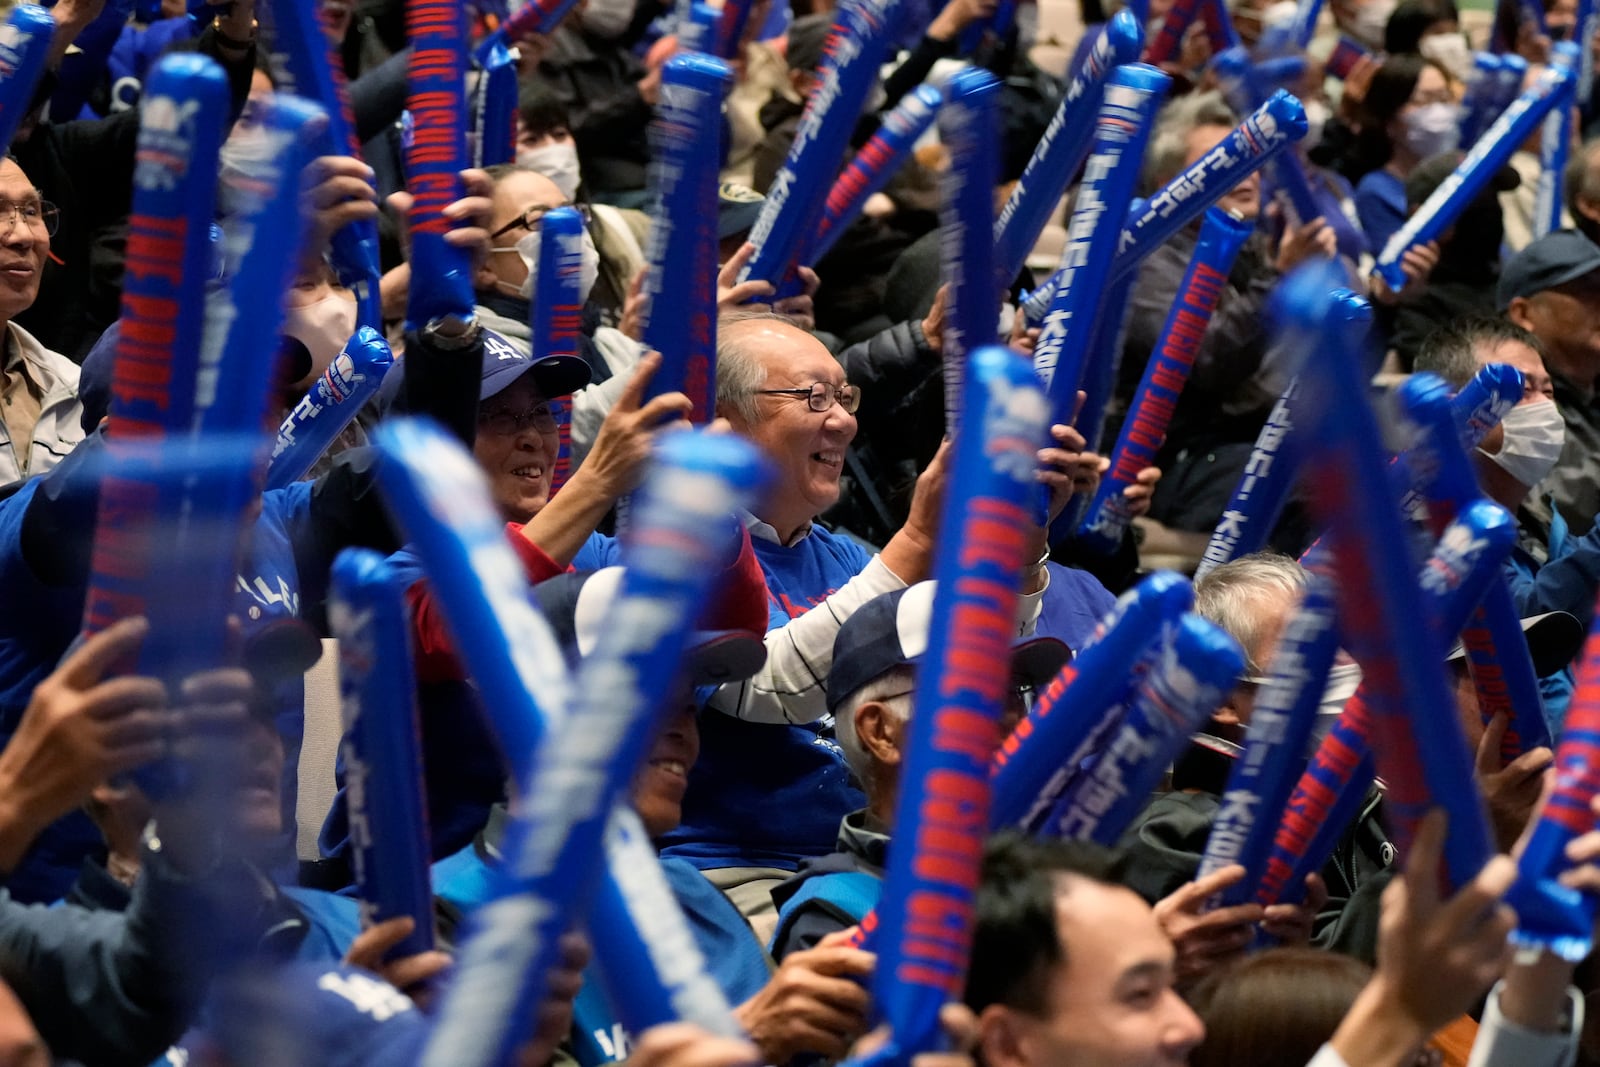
(39,409)
(772,784)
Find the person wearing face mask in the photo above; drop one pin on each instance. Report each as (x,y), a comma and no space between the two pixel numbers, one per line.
(505,284)
(1409,113)
(1551,568)
(1431,29)
(1365,20)
(545,144)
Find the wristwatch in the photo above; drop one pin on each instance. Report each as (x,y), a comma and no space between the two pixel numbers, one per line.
(451,333)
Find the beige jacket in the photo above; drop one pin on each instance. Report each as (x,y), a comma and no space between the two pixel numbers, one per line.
(59,428)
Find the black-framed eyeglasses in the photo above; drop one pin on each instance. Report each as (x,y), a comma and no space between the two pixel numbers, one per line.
(35,214)
(505,423)
(531,217)
(820,396)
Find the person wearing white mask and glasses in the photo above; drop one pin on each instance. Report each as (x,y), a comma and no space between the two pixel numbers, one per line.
(1552,568)
(1408,114)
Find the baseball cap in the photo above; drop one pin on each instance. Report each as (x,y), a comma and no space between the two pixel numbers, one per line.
(1554,259)
(1554,639)
(738,207)
(504,363)
(329,1014)
(891,630)
(575,605)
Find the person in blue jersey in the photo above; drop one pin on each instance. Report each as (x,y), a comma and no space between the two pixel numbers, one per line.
(772,784)
(47,522)
(870,693)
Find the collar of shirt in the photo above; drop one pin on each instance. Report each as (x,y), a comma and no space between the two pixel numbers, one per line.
(767,532)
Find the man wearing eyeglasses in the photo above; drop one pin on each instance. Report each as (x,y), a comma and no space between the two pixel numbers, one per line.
(39,409)
(769,790)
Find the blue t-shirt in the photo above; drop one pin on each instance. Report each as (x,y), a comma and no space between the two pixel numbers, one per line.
(1381,207)
(770,795)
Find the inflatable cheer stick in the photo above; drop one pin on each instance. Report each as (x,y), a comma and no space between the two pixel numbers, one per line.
(1555,141)
(967,127)
(649,963)
(24,47)
(1122,127)
(1154,401)
(381,748)
(1401,662)
(872,167)
(1070,719)
(1497,653)
(556,315)
(1483,92)
(680,312)
(554,857)
(331,404)
(1462,565)
(441,274)
(494,109)
(1548,913)
(1163,48)
(861,35)
(1263,490)
(302,64)
(1188,680)
(1274,126)
(945,788)
(1488,155)
(153,393)
(1263,778)
(1062,149)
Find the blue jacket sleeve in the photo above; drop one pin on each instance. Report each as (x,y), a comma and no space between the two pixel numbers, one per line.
(1567,583)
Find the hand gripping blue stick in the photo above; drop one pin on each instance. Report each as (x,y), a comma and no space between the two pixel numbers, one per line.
(24,47)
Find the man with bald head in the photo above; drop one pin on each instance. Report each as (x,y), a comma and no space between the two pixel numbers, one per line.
(771,784)
(39,409)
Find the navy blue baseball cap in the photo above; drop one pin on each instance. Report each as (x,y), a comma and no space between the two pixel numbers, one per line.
(891,630)
(1553,260)
(505,363)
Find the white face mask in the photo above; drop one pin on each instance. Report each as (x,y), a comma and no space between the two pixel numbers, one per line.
(1371,19)
(1432,129)
(527,248)
(558,162)
(323,327)
(1534,434)
(1450,51)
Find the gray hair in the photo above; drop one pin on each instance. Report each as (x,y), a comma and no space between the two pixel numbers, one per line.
(739,372)
(1451,350)
(1169,144)
(891,689)
(1231,596)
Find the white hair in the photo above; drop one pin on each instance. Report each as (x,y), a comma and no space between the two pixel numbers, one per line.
(892,690)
